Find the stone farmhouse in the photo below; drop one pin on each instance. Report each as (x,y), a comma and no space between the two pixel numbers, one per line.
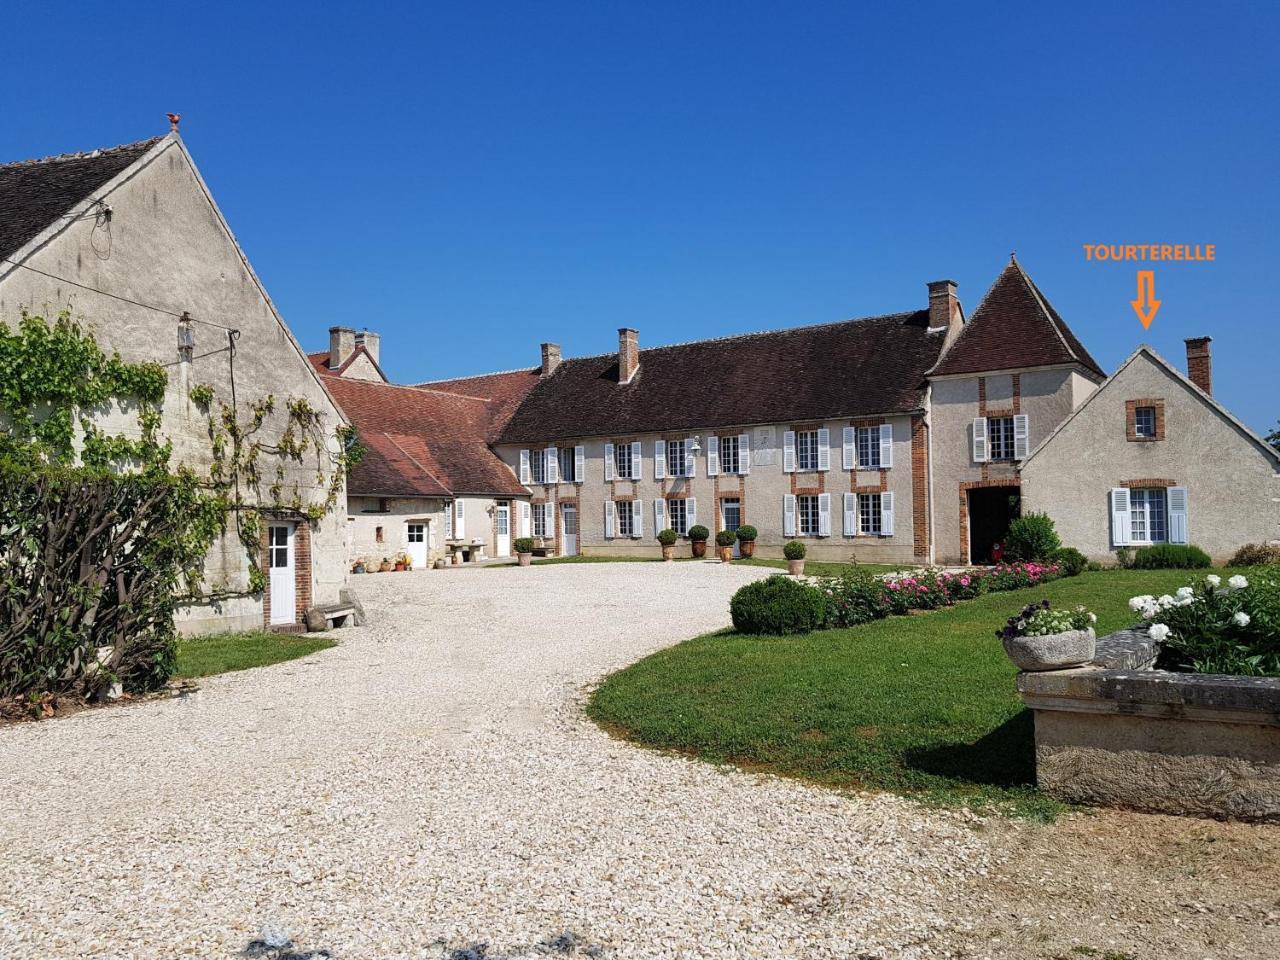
(130,241)
(913,437)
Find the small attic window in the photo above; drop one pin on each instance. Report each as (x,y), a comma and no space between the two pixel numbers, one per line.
(1144,421)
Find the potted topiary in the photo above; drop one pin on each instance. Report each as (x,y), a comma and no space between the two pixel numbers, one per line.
(524,550)
(794,552)
(1043,639)
(747,540)
(698,539)
(724,545)
(668,540)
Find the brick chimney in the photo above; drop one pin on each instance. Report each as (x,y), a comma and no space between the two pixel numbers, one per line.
(342,343)
(372,343)
(944,308)
(628,353)
(1200,363)
(550,358)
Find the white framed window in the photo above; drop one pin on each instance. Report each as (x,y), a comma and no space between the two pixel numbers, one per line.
(677,510)
(729,459)
(622,461)
(1000,438)
(807,450)
(540,519)
(570,463)
(1144,421)
(676,464)
(869,448)
(1148,516)
(625,518)
(870,516)
(807,515)
(538,466)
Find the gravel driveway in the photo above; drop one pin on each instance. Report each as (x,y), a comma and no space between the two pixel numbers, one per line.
(430,784)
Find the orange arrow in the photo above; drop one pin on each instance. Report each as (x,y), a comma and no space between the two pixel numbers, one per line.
(1146,305)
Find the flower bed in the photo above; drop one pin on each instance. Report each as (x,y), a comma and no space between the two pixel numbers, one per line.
(1212,628)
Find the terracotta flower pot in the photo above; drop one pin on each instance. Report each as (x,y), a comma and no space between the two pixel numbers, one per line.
(524,559)
(726,554)
(456,559)
(668,553)
(795,567)
(699,547)
(747,548)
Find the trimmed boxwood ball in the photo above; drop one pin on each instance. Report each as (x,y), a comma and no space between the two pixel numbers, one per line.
(1071,560)
(1032,537)
(794,550)
(746,533)
(699,532)
(524,544)
(778,606)
(725,538)
(1171,556)
(668,537)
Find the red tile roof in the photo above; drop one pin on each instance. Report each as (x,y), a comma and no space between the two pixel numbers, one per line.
(1014,327)
(419,442)
(506,390)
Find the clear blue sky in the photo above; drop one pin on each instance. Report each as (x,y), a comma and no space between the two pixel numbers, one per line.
(470,179)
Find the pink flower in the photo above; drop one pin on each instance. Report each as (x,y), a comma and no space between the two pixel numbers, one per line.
(964,581)
(893,585)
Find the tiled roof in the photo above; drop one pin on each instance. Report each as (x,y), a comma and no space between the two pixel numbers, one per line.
(861,367)
(34,193)
(1014,327)
(420,442)
(506,390)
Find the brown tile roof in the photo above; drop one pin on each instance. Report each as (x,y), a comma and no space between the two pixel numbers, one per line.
(421,442)
(34,193)
(506,390)
(861,367)
(1014,327)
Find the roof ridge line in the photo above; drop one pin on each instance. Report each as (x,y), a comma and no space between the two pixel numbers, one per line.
(473,376)
(79,155)
(406,386)
(1044,310)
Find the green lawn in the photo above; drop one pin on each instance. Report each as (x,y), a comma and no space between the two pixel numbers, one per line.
(224,652)
(922,705)
(825,568)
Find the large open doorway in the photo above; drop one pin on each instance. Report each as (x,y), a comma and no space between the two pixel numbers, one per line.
(991,510)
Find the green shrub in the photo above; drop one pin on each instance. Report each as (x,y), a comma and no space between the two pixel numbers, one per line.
(794,550)
(747,533)
(854,598)
(1071,561)
(778,606)
(1256,555)
(1031,537)
(699,532)
(725,538)
(1124,558)
(1171,556)
(524,544)
(668,537)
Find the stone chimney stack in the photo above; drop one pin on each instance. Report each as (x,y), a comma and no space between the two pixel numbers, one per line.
(372,343)
(1200,363)
(342,343)
(628,353)
(944,309)
(550,358)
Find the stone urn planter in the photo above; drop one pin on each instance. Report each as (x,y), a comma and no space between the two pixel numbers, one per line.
(668,553)
(524,559)
(747,548)
(726,554)
(667,539)
(795,568)
(795,551)
(1054,651)
(385,567)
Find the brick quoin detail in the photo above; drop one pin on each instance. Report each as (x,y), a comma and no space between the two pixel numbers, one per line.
(965,487)
(1131,419)
(920,487)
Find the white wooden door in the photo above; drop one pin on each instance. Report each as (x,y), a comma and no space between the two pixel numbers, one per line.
(280,561)
(415,538)
(502,529)
(569,530)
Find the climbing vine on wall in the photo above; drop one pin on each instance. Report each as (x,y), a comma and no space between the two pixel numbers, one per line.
(98,530)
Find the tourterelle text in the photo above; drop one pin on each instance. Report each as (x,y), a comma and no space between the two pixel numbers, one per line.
(1149,251)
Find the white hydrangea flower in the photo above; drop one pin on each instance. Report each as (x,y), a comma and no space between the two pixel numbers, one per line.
(1184,592)
(1093,618)
(1213,580)
(1137,603)
(1237,582)
(1185,601)
(1158,632)
(1241,619)
(1165,600)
